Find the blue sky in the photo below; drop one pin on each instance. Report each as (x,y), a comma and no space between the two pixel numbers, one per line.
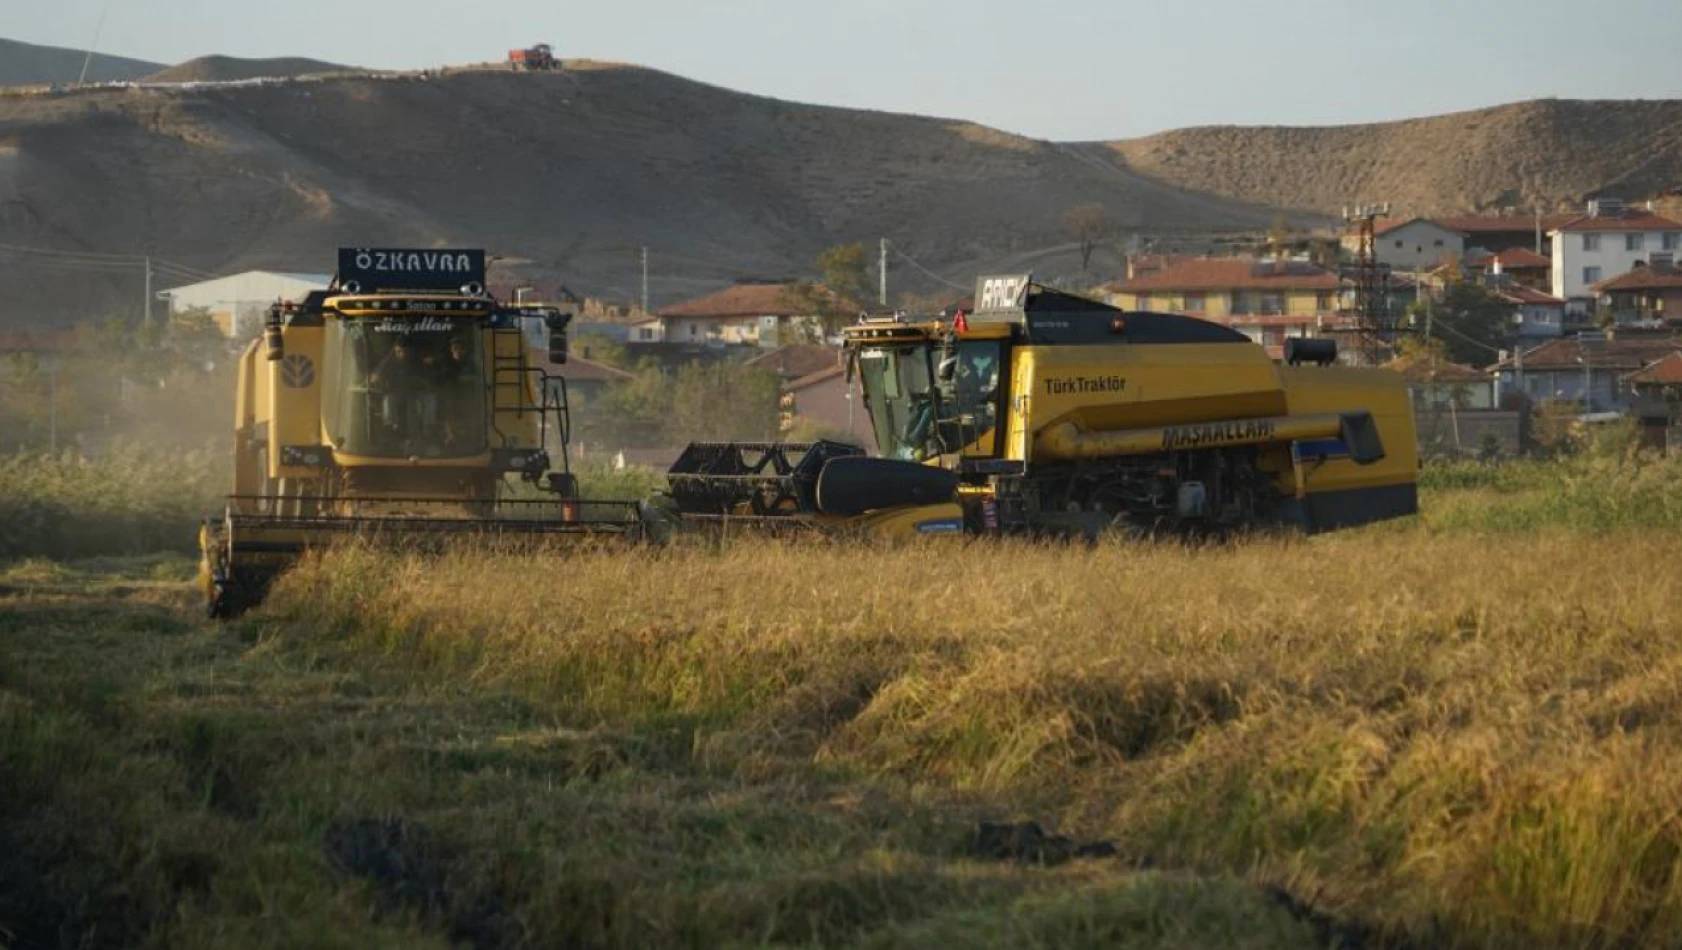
(1066,69)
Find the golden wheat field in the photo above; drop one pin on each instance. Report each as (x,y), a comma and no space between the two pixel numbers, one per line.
(1455,731)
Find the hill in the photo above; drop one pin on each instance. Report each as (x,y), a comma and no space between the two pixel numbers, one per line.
(233,69)
(570,172)
(1550,152)
(565,175)
(29,64)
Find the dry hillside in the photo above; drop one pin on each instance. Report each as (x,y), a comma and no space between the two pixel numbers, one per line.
(1548,151)
(29,64)
(571,172)
(566,175)
(233,68)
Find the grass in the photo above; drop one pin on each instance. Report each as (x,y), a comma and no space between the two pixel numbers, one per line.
(130,500)
(1461,730)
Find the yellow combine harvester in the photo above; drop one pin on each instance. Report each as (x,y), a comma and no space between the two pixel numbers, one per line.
(1044,412)
(395,403)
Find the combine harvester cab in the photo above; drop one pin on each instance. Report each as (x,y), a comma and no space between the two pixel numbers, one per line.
(1048,413)
(396,404)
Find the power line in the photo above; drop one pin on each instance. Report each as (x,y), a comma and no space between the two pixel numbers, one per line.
(909,260)
(90,260)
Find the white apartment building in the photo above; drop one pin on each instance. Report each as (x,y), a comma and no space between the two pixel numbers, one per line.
(1607,241)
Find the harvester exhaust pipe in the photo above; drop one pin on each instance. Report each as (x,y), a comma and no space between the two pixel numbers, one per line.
(1357,430)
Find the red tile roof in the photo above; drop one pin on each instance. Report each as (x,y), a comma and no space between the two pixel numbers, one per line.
(1430,368)
(581,370)
(1520,258)
(1665,372)
(1619,355)
(1381,228)
(1233,273)
(37,341)
(747,298)
(1642,278)
(811,379)
(1473,224)
(1520,294)
(1633,221)
(798,359)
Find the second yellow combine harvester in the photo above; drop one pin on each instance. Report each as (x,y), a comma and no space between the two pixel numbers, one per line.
(399,402)
(1046,413)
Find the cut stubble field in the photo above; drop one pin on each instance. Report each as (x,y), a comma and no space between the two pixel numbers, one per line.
(1418,735)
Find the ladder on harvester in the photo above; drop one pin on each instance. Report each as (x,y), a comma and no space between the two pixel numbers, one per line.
(519,387)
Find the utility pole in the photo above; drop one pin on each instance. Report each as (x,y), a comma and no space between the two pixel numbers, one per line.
(146,303)
(1538,209)
(882,275)
(645,280)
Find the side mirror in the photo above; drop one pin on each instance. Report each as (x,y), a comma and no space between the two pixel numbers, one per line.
(557,324)
(272,336)
(948,369)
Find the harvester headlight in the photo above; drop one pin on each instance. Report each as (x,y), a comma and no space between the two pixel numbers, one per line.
(473,288)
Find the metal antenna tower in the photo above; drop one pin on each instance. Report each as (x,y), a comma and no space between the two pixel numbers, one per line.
(1375,326)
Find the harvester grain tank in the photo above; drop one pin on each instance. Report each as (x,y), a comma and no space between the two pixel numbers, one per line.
(1050,413)
(406,402)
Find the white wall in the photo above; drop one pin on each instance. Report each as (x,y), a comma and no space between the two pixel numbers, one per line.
(1613,257)
(245,297)
(1422,244)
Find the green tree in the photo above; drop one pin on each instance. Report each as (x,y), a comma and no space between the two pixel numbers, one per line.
(1472,323)
(722,402)
(601,348)
(844,273)
(836,298)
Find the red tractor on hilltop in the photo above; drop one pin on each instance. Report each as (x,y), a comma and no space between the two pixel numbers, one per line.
(539,58)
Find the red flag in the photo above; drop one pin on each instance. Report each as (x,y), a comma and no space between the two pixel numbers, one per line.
(959,323)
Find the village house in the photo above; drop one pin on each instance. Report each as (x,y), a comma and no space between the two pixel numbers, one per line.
(1266,300)
(1436,382)
(1410,243)
(1643,294)
(1538,316)
(1513,266)
(1593,364)
(1607,241)
(750,312)
(1657,402)
(1503,232)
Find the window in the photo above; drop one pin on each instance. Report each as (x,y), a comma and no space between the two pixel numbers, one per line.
(1323,301)
(1591,275)
(1672,239)
(1272,303)
(404,386)
(1591,242)
(1398,242)
(1196,303)
(1437,243)
(1633,242)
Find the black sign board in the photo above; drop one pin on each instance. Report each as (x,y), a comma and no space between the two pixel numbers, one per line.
(377,269)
